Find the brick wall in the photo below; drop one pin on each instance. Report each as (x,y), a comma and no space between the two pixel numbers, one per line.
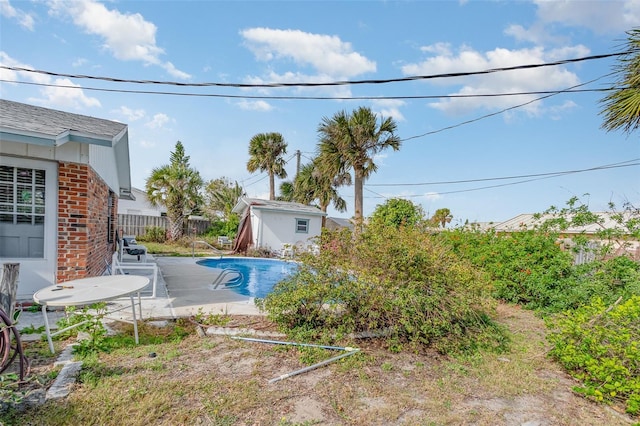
(83,233)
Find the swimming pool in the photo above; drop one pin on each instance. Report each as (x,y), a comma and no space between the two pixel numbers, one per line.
(251,276)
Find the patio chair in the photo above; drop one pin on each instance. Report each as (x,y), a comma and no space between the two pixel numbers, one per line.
(129,245)
(119,268)
(224,241)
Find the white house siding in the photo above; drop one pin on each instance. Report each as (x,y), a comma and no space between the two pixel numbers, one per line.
(272,229)
(72,151)
(140,206)
(101,158)
(103,161)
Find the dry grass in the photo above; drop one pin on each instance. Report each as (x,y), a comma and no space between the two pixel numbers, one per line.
(216,380)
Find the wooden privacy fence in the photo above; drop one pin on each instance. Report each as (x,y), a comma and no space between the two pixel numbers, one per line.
(132,224)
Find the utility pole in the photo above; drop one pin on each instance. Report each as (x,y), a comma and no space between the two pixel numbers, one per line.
(298,153)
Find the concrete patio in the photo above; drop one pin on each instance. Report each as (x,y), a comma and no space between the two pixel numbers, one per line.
(183,289)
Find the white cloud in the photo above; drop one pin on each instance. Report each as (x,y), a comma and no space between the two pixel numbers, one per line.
(129,37)
(172,70)
(327,54)
(255,105)
(599,16)
(79,62)
(24,19)
(130,114)
(146,144)
(557,111)
(296,77)
(439,48)
(525,80)
(390,108)
(432,196)
(158,121)
(70,97)
(10,75)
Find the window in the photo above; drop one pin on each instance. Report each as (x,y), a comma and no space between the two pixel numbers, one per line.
(302,226)
(111,226)
(22,212)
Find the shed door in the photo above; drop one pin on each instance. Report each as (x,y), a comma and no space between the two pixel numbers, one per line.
(28,221)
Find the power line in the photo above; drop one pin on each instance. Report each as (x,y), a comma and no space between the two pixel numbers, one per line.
(450,182)
(502,110)
(261,178)
(518,182)
(313,98)
(332,83)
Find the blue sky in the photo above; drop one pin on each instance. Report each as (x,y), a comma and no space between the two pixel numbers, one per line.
(307,41)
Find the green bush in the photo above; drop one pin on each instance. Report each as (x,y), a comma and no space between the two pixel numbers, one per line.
(530,268)
(527,267)
(154,234)
(400,283)
(220,227)
(600,346)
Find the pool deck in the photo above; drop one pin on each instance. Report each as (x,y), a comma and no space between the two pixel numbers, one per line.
(188,290)
(183,289)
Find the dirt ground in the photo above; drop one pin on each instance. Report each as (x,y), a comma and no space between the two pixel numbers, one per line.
(378,387)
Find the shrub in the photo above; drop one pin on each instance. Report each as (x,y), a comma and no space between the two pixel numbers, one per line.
(400,283)
(600,346)
(220,227)
(530,268)
(527,267)
(155,234)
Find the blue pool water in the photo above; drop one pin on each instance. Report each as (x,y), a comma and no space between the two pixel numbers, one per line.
(257,276)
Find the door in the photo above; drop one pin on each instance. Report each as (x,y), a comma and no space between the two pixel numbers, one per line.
(28,217)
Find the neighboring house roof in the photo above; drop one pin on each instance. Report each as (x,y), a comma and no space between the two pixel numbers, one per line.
(529,221)
(139,205)
(479,226)
(36,125)
(283,206)
(334,223)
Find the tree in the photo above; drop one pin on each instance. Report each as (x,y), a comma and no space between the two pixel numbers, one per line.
(622,106)
(350,141)
(441,217)
(265,154)
(312,184)
(175,186)
(220,197)
(286,191)
(396,212)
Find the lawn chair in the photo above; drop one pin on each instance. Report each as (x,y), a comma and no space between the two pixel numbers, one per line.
(118,267)
(224,241)
(129,245)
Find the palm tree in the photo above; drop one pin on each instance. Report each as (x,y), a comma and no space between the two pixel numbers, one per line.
(265,154)
(312,184)
(441,217)
(177,187)
(221,196)
(351,142)
(622,106)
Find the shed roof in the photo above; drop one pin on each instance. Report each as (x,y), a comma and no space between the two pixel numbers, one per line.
(283,206)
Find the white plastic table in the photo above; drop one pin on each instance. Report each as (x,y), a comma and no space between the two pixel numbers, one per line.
(86,291)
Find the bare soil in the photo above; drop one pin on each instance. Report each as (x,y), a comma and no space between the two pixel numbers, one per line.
(221,380)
